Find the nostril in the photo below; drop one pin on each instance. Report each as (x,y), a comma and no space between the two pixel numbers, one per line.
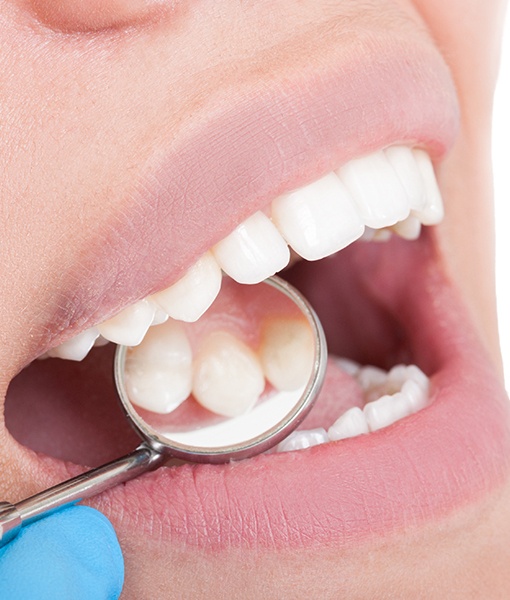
(69,410)
(94,15)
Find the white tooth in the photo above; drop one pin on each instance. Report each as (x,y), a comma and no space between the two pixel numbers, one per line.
(417,375)
(409,228)
(376,189)
(433,212)
(128,327)
(371,377)
(286,352)
(347,365)
(350,424)
(299,440)
(417,397)
(160,316)
(254,251)
(318,219)
(387,410)
(158,372)
(403,161)
(376,235)
(101,341)
(227,376)
(189,298)
(77,347)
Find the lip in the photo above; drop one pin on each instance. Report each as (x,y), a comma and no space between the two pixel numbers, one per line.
(270,137)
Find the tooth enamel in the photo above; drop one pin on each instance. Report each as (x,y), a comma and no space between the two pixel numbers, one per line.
(404,163)
(347,365)
(160,316)
(433,211)
(101,341)
(189,298)
(371,378)
(376,189)
(77,347)
(254,251)
(227,376)
(128,327)
(158,372)
(387,410)
(409,228)
(318,219)
(286,352)
(350,424)
(299,440)
(376,235)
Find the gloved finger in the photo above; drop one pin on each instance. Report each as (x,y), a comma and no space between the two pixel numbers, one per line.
(73,553)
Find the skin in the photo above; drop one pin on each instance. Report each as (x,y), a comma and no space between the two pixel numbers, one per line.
(64,177)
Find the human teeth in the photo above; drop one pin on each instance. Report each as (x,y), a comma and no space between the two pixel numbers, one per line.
(299,440)
(318,219)
(387,410)
(433,211)
(130,325)
(189,298)
(227,376)
(409,228)
(160,316)
(379,195)
(77,347)
(350,424)
(158,372)
(403,161)
(254,251)
(286,352)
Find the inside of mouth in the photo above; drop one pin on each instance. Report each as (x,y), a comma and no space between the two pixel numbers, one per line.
(70,411)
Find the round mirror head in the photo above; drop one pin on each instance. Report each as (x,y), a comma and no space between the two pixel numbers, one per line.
(230,385)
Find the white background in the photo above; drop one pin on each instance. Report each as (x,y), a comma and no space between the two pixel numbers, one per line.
(501,153)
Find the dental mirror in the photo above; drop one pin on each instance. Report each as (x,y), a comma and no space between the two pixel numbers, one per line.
(230,386)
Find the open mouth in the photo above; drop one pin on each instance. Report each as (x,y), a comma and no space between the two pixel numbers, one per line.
(399,435)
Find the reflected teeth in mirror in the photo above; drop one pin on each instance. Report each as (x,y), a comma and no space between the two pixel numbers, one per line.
(319,219)
(254,251)
(130,325)
(77,347)
(189,298)
(299,440)
(158,372)
(227,375)
(377,191)
(286,352)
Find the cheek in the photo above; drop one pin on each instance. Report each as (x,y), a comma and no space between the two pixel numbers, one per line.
(94,15)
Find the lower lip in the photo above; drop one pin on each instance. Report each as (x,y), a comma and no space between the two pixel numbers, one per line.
(448,455)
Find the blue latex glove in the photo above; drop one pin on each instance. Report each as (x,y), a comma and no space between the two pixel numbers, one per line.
(70,555)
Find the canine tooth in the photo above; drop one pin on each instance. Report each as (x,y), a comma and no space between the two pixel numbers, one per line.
(387,410)
(403,162)
(77,347)
(351,424)
(158,372)
(128,327)
(189,298)
(299,440)
(376,189)
(254,251)
(286,352)
(227,376)
(433,211)
(318,219)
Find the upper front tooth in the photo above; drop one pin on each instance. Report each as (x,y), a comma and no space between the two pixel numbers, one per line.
(254,251)
(77,347)
(286,352)
(189,298)
(318,219)
(404,163)
(158,372)
(378,192)
(128,327)
(227,376)
(433,211)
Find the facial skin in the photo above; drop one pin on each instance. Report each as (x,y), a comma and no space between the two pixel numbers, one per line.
(90,102)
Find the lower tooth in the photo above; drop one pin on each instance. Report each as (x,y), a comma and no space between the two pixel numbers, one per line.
(286,352)
(299,440)
(351,424)
(386,410)
(227,376)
